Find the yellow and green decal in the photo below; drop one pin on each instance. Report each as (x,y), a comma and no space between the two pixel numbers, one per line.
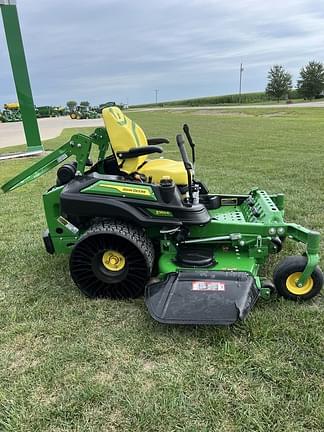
(125,190)
(159,213)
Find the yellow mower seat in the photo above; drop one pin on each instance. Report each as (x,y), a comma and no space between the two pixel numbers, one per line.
(125,134)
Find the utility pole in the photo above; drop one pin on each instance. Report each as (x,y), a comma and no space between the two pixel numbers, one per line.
(20,74)
(156,96)
(240,87)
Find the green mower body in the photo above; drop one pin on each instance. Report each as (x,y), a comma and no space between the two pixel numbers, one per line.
(197,255)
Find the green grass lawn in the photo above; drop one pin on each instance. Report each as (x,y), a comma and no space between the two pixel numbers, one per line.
(68,363)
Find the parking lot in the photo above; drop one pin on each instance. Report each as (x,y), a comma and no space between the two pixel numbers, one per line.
(12,134)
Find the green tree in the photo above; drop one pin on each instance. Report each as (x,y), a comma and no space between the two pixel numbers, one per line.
(85,103)
(311,82)
(71,105)
(279,82)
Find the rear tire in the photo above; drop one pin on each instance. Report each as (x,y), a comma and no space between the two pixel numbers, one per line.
(112,259)
(288,272)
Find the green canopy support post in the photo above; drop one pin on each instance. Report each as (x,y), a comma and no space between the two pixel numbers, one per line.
(20,73)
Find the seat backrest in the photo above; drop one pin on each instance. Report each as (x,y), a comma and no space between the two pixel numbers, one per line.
(124,134)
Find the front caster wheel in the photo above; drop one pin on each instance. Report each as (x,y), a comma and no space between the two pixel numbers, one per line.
(288,272)
(112,259)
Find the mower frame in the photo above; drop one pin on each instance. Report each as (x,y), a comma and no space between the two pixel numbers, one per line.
(253,235)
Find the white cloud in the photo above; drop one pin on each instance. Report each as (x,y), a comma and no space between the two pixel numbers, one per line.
(118,49)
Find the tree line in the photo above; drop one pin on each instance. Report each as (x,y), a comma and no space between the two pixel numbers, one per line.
(310,84)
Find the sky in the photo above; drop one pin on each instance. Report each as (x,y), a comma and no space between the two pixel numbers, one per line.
(122,50)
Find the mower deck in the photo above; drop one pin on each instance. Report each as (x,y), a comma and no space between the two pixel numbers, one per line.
(202,297)
(225,258)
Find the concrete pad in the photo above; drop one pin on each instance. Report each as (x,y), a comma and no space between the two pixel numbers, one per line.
(12,134)
(20,155)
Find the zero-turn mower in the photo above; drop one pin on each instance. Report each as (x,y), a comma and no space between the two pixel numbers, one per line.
(132,225)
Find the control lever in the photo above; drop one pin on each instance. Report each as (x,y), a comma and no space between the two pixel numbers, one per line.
(191,143)
(183,151)
(187,164)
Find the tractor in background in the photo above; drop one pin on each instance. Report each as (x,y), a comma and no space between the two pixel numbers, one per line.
(83,111)
(47,111)
(11,113)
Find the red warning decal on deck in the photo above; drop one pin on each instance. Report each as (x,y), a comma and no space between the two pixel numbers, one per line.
(207,285)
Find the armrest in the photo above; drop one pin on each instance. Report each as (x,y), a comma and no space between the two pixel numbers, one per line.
(139,151)
(154,141)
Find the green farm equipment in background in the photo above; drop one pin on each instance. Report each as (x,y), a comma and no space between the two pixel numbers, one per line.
(134,225)
(62,111)
(8,116)
(105,105)
(13,106)
(50,111)
(109,105)
(11,113)
(84,112)
(46,111)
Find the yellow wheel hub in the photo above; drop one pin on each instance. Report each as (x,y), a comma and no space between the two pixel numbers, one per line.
(113,261)
(291,284)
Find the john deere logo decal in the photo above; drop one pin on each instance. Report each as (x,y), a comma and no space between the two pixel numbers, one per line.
(121,189)
(127,190)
